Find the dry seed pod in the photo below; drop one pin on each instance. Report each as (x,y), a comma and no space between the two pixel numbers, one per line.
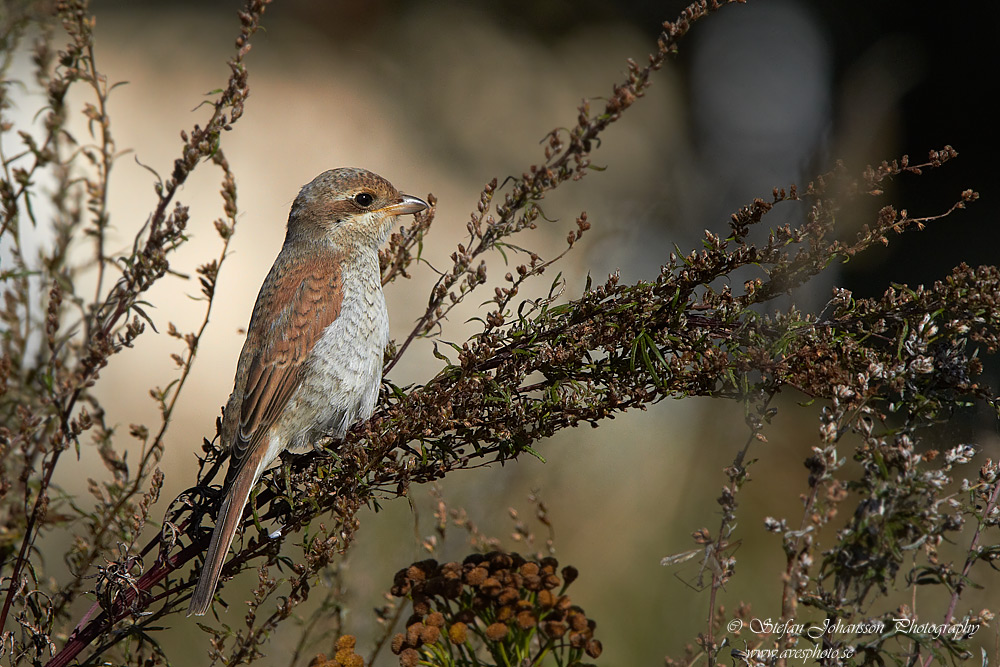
(496,632)
(409,658)
(458,633)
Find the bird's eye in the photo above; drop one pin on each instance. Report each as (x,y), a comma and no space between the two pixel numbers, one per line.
(363,199)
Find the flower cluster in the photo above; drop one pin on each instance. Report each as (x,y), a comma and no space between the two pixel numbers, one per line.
(344,657)
(502,605)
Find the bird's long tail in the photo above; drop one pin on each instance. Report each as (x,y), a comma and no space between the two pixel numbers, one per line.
(230,515)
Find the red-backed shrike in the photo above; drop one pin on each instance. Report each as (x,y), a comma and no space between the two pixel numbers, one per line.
(312,360)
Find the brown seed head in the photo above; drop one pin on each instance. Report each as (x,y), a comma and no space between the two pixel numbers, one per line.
(554,629)
(496,632)
(577,621)
(421,606)
(549,565)
(434,586)
(499,560)
(476,576)
(529,568)
(429,566)
(526,619)
(409,658)
(508,595)
(546,599)
(451,570)
(400,584)
(430,634)
(458,633)
(346,656)
(491,587)
(452,589)
(473,559)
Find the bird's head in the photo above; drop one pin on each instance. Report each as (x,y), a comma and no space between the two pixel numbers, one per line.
(349,206)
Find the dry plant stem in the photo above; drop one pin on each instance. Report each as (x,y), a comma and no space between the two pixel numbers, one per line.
(972,557)
(722,571)
(138,598)
(124,295)
(152,452)
(397,257)
(99,200)
(789,597)
(48,466)
(386,635)
(794,564)
(41,156)
(333,599)
(82,637)
(28,531)
(566,158)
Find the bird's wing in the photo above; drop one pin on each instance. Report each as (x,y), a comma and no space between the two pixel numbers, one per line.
(299,299)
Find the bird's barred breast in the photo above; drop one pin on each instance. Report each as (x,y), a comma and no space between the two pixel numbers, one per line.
(341,380)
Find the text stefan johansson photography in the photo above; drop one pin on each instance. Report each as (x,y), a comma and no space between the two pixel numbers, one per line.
(768,627)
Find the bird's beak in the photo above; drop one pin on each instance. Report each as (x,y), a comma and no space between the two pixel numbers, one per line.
(406,204)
